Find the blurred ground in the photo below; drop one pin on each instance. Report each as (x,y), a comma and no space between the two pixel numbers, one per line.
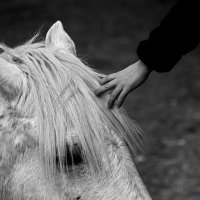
(167,106)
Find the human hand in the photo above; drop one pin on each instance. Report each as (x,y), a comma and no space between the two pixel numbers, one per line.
(123,82)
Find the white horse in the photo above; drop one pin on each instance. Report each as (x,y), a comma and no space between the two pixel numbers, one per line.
(58,141)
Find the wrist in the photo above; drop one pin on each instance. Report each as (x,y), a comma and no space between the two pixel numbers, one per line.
(145,69)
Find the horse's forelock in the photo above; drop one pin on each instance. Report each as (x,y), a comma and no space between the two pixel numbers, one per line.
(62,91)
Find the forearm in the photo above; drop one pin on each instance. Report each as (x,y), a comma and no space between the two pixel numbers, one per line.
(177,34)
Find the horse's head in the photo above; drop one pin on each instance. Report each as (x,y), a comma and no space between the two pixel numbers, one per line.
(57,139)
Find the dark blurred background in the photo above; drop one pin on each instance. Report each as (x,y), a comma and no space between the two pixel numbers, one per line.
(167,106)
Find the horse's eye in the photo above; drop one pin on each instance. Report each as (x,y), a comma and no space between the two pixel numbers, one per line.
(17,60)
(74,157)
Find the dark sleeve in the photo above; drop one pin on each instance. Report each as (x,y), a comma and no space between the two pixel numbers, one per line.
(177,34)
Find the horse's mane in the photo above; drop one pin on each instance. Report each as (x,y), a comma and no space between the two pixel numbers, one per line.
(60,90)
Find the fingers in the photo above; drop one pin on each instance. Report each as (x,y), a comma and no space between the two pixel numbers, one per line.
(106,79)
(114,96)
(122,97)
(105,88)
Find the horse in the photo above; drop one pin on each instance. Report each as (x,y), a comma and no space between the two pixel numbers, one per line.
(58,141)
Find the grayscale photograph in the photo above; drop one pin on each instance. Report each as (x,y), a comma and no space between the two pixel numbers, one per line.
(99,100)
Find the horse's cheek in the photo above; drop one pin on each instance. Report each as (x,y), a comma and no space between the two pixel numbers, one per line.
(28,181)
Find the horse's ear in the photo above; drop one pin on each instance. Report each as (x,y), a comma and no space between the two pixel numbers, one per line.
(12,80)
(57,37)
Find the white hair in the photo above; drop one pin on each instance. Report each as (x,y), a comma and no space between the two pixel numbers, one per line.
(59,92)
